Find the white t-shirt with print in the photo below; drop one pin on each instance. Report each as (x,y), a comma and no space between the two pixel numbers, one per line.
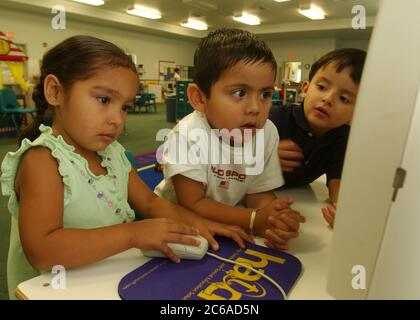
(227,183)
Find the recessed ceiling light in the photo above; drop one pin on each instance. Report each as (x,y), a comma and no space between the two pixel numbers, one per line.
(248,19)
(312,12)
(144,12)
(281,0)
(195,24)
(91,2)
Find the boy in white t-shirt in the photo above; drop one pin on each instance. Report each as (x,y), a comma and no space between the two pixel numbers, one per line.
(218,156)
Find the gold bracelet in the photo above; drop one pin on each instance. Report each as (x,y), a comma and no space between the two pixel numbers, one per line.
(252,221)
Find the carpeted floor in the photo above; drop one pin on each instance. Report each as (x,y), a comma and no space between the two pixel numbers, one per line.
(139,139)
(145,166)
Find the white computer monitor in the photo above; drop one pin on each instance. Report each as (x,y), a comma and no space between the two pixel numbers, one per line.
(373,233)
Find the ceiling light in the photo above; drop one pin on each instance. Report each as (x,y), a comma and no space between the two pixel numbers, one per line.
(247,19)
(194,24)
(312,12)
(281,0)
(92,2)
(144,12)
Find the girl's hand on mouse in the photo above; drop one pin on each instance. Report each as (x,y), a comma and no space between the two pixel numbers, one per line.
(208,229)
(155,234)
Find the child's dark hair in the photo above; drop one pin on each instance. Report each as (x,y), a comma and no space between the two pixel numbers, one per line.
(222,49)
(76,58)
(351,58)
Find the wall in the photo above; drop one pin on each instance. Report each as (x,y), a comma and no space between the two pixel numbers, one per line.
(34,29)
(306,51)
(149,48)
(359,44)
(309,50)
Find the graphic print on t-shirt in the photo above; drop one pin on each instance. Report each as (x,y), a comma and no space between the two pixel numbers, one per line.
(225,177)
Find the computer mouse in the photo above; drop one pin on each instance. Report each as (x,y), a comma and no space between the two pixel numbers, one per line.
(182,250)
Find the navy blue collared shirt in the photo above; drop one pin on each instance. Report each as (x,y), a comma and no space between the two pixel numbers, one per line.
(321,155)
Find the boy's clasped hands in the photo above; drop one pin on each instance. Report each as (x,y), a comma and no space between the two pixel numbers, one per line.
(278,223)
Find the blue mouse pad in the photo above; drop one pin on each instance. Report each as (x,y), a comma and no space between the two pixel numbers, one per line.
(210,278)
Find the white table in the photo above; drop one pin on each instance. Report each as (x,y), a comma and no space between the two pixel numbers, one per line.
(100,280)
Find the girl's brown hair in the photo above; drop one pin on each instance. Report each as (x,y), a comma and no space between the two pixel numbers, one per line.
(76,58)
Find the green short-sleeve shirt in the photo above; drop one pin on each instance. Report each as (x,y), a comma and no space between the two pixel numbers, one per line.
(90,201)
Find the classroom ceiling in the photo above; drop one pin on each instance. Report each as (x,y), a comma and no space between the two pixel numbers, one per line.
(279,20)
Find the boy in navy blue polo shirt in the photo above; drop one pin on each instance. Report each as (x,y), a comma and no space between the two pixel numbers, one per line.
(314,134)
